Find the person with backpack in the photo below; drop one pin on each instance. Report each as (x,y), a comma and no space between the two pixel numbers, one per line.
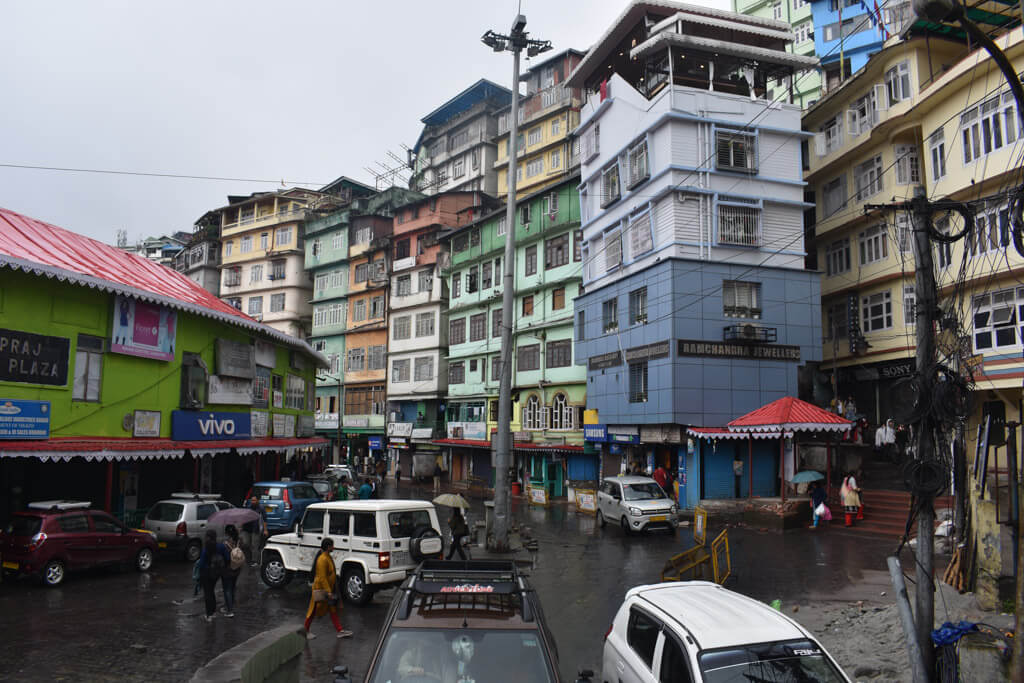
(212,561)
(229,576)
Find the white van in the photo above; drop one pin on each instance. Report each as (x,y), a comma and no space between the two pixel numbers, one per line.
(376,543)
(698,631)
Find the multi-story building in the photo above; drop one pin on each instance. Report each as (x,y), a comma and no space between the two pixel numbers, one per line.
(456,150)
(200,259)
(162,250)
(696,306)
(547,114)
(417,385)
(262,266)
(848,32)
(797,13)
(549,393)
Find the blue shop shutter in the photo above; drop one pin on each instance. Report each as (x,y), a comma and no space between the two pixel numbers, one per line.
(718,476)
(766,467)
(582,467)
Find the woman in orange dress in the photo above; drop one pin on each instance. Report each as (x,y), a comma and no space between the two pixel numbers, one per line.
(325,581)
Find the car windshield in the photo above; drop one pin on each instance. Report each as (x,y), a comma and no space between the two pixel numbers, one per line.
(796,661)
(273,492)
(23,525)
(322,486)
(304,492)
(644,491)
(165,512)
(501,656)
(402,524)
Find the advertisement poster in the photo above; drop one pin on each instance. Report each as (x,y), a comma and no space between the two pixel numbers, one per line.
(586,500)
(229,390)
(24,419)
(146,424)
(538,495)
(260,421)
(142,329)
(235,359)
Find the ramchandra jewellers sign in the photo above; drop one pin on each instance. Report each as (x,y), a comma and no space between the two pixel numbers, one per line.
(694,347)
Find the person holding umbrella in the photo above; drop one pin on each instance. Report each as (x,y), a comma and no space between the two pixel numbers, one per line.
(459,529)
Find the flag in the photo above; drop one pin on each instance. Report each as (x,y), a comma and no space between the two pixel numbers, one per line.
(881,24)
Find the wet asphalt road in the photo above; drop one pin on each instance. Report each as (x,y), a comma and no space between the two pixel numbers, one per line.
(125,626)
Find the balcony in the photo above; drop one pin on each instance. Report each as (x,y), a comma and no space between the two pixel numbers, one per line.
(266,219)
(403,263)
(747,332)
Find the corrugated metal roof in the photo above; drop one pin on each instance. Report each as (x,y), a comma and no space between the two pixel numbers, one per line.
(33,246)
(791,414)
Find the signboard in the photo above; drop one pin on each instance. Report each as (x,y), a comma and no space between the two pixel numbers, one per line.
(586,500)
(261,388)
(604,360)
(522,436)
(143,329)
(660,349)
(893,369)
(353,421)
(695,347)
(235,359)
(597,433)
(24,419)
(326,421)
(229,390)
(33,358)
(423,433)
(279,399)
(279,425)
(260,422)
(266,354)
(146,424)
(289,426)
(538,495)
(375,443)
(188,425)
(403,263)
(660,434)
(304,425)
(399,428)
(467,430)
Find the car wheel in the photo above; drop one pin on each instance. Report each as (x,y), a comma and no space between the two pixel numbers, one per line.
(600,519)
(193,550)
(354,586)
(144,560)
(625,525)
(274,573)
(53,573)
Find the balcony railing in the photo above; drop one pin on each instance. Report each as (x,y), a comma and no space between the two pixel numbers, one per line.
(275,217)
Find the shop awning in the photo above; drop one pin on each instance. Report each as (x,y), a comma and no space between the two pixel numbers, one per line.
(472,443)
(790,414)
(553,447)
(65,448)
(723,433)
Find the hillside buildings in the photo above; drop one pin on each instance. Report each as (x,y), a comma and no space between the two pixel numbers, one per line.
(797,13)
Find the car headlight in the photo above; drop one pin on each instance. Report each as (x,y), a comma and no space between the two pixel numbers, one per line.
(636,512)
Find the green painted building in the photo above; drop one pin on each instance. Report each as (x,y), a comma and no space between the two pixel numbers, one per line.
(123,381)
(548,387)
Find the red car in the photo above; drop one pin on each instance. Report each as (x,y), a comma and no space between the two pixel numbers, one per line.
(51,538)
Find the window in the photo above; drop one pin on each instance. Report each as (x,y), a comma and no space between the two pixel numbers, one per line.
(495,377)
(316,247)
(776,14)
(227,248)
(359,311)
(581,325)
(425,281)
(528,357)
(459,167)
(907,171)
(460,243)
(995,318)
(739,225)
(563,415)
(377,307)
(401,249)
(904,234)
(556,251)
(276,303)
(833,196)
(876,311)
(478,327)
(403,285)
(364,401)
(496,322)
(475,158)
(530,260)
(836,317)
(991,231)
(295,393)
(945,249)
(400,370)
(233,276)
(356,359)
(361,272)
(400,327)
(364,235)
(610,315)
(284,237)
(556,155)
(423,370)
(501,226)
(528,305)
(736,151)
(534,136)
(590,143)
(457,372)
(247,244)
(909,305)
(320,283)
(424,324)
(472,281)
(456,285)
(264,241)
(255,273)
(638,382)
(830,137)
(337,239)
(640,239)
(551,204)
(863,113)
(376,357)
(638,306)
(988,127)
(741,299)
(674,660)
(639,170)
(868,178)
(556,127)
(612,249)
(897,83)
(558,298)
(236,302)
(485,276)
(336,278)
(937,147)
(524,215)
(873,245)
(88,368)
(534,414)
(255,305)
(837,257)
(610,191)
(457,331)
(559,354)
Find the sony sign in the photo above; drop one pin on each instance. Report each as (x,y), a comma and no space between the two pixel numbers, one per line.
(187,425)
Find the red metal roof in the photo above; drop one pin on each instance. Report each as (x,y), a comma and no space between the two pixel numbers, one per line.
(791,414)
(112,448)
(462,442)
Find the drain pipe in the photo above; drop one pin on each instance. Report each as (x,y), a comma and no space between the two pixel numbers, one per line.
(907,618)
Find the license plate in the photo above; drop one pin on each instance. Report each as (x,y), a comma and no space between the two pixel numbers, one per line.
(10,565)
(268,508)
(161,544)
(658,518)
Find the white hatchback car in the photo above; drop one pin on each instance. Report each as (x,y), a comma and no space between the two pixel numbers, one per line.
(698,631)
(636,504)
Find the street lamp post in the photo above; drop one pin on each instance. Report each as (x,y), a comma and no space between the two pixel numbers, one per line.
(514,42)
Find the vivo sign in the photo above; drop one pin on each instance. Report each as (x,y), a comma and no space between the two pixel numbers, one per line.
(206,426)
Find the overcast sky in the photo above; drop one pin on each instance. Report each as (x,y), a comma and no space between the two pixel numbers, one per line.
(299,91)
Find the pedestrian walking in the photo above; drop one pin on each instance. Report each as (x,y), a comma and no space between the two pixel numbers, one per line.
(366,490)
(437,477)
(342,492)
(229,576)
(325,598)
(818,504)
(737,472)
(212,561)
(398,474)
(255,532)
(851,498)
(459,528)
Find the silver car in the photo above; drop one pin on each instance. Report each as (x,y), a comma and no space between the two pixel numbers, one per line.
(180,521)
(636,504)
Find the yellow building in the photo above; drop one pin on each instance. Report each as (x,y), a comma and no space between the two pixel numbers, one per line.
(548,113)
(262,261)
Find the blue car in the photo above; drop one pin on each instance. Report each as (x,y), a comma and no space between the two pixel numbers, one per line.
(283,502)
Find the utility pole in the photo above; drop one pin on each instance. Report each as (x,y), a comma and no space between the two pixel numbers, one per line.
(515,41)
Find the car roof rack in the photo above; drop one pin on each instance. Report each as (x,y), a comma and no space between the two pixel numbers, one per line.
(188,495)
(60,505)
(445,581)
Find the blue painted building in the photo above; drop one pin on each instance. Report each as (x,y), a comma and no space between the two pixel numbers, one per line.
(852,31)
(696,306)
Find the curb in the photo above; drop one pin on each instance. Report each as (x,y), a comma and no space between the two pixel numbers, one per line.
(263,657)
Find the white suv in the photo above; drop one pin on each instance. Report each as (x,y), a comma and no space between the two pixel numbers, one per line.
(636,504)
(376,543)
(699,631)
